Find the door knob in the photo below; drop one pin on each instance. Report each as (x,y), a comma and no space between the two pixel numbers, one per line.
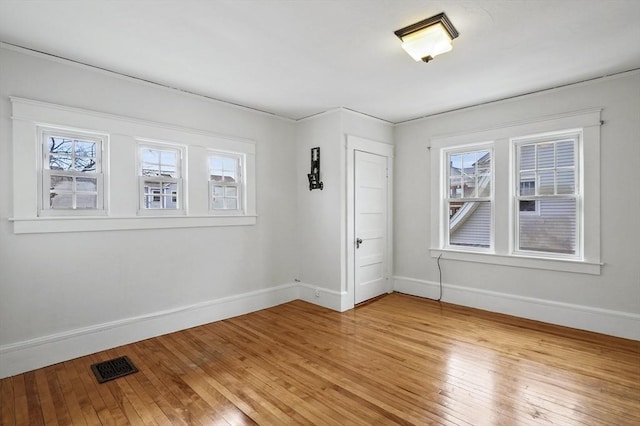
(358,242)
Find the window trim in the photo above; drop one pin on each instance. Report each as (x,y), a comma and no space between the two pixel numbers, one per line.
(44,173)
(589,121)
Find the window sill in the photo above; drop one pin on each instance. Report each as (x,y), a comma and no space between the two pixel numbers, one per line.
(43,225)
(564,265)
(161,213)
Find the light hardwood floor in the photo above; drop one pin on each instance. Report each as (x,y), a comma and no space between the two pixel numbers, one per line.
(396,360)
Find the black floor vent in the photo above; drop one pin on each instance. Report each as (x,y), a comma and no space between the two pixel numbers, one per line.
(112,369)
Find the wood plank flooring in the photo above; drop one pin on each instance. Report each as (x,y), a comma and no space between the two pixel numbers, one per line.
(397,360)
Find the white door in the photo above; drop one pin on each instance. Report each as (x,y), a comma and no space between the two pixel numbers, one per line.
(371,233)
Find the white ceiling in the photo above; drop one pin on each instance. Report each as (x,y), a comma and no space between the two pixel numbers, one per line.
(296,58)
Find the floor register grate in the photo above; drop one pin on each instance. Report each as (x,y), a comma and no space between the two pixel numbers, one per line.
(112,369)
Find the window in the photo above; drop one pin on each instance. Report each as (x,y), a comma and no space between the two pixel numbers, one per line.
(160,178)
(546,176)
(225,182)
(62,172)
(72,178)
(469,197)
(527,186)
(540,207)
(546,196)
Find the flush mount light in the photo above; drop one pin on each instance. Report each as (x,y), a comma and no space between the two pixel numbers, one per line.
(426,39)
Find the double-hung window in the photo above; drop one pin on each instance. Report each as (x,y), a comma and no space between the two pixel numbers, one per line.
(72,177)
(469,197)
(160,177)
(225,183)
(547,183)
(529,198)
(163,176)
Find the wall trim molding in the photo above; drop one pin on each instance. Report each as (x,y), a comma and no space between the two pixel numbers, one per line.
(32,110)
(42,225)
(27,355)
(606,321)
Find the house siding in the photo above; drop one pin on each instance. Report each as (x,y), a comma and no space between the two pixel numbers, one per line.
(553,229)
(476,229)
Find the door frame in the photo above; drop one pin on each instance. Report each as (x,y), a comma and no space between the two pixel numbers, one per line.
(356,143)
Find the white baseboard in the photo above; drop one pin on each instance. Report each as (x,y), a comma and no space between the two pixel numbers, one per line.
(28,355)
(321,296)
(614,323)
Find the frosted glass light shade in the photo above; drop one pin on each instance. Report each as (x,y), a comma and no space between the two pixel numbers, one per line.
(429,42)
(429,38)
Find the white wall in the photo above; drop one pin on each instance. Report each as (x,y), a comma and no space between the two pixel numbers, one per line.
(57,287)
(319,210)
(609,302)
(322,240)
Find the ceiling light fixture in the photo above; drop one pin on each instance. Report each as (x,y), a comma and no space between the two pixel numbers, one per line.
(426,39)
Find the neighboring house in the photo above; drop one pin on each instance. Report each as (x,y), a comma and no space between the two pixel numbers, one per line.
(549,225)
(471,225)
(156,189)
(62,187)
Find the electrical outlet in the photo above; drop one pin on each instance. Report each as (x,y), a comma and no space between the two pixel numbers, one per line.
(317,292)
